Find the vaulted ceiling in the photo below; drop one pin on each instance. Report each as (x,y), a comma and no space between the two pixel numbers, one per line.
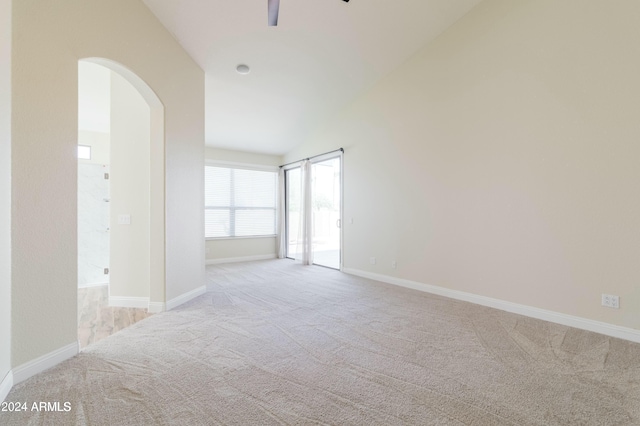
(322,54)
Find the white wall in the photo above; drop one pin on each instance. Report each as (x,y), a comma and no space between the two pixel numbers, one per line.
(129,257)
(99,143)
(502,160)
(237,248)
(217,154)
(48,42)
(5,190)
(94,111)
(94,97)
(94,103)
(232,249)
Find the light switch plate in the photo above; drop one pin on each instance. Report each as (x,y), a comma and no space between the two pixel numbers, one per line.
(124,219)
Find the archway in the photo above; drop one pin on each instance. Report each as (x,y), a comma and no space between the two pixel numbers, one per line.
(137,200)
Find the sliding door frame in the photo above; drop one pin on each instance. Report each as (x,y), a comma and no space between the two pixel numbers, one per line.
(298,165)
(286,170)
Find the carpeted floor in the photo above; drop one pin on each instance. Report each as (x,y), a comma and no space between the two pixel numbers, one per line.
(278,343)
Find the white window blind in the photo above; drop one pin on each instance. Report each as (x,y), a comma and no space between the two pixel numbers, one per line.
(239,202)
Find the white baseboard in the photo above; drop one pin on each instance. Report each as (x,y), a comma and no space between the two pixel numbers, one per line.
(184,298)
(240,259)
(607,329)
(137,302)
(129,302)
(89,285)
(156,307)
(38,365)
(5,385)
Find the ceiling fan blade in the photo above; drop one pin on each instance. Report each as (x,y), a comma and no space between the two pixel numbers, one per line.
(273,7)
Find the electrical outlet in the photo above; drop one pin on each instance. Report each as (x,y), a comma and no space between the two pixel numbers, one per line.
(610,301)
(372,260)
(394,264)
(615,302)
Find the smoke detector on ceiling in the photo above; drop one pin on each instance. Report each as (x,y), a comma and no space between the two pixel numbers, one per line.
(243,69)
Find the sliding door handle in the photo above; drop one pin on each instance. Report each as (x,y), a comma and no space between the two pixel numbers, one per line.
(338,223)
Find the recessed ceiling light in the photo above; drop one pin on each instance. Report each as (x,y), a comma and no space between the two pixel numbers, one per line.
(243,69)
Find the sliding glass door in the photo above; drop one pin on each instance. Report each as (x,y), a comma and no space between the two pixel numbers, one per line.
(293,201)
(325,209)
(326,197)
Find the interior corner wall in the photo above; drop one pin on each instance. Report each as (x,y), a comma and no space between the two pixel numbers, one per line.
(5,189)
(48,41)
(130,136)
(243,157)
(218,250)
(502,159)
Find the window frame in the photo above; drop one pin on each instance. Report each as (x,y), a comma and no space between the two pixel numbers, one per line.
(244,166)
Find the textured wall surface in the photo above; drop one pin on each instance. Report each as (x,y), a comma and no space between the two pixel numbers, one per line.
(502,159)
(48,41)
(5,187)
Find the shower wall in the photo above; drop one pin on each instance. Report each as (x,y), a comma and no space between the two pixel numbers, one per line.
(93,224)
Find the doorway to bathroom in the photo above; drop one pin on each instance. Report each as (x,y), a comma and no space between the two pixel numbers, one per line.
(113,203)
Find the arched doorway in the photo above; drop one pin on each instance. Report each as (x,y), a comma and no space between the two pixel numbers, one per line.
(135,201)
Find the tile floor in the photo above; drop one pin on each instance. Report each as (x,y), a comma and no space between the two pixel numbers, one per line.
(97,320)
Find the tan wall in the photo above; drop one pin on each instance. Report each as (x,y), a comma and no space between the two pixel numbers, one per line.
(502,160)
(237,248)
(217,249)
(129,260)
(5,188)
(217,154)
(48,40)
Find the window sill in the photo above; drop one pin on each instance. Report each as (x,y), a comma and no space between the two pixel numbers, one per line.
(238,238)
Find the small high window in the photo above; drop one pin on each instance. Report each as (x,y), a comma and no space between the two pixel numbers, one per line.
(84,152)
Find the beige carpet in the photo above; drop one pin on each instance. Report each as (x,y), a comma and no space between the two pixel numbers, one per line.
(279,343)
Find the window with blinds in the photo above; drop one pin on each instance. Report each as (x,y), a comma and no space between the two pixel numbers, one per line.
(239,202)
